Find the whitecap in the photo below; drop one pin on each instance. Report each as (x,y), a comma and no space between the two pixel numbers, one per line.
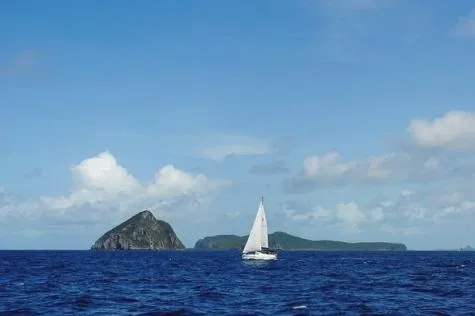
(300,307)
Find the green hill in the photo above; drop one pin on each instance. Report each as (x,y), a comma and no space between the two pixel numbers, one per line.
(281,240)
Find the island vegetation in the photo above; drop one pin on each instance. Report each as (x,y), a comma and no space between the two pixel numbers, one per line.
(281,240)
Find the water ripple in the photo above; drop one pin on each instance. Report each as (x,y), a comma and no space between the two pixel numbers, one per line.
(220,283)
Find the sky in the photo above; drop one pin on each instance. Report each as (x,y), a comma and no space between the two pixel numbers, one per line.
(354,119)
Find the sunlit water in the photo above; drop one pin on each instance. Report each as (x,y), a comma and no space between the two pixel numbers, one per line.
(220,283)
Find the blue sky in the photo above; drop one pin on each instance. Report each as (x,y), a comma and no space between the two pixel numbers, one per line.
(355,119)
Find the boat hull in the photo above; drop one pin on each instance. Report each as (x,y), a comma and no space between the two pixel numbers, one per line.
(259,256)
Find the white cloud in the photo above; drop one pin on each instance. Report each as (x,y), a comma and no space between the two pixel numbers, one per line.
(104,194)
(465,26)
(433,206)
(103,173)
(377,214)
(325,166)
(329,169)
(387,203)
(450,133)
(226,145)
(422,212)
(350,216)
(415,218)
(317,213)
(454,130)
(96,180)
(101,180)
(172,182)
(345,216)
(12,206)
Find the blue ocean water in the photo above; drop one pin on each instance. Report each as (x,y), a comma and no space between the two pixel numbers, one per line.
(220,283)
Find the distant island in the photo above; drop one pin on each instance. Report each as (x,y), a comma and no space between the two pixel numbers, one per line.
(467,248)
(281,240)
(144,231)
(141,231)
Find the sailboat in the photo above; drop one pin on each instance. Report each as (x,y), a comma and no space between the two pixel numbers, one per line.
(257,245)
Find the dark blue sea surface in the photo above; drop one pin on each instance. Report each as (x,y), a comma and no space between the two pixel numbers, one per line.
(220,283)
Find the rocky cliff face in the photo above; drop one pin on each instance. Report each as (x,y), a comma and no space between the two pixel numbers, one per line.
(142,231)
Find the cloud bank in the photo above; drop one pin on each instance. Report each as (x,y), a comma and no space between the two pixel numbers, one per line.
(101,180)
(105,192)
(434,155)
(455,130)
(408,213)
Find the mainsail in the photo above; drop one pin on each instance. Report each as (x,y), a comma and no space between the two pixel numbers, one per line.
(258,236)
(265,237)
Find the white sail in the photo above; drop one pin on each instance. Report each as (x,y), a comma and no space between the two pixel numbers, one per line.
(254,241)
(264,236)
(259,239)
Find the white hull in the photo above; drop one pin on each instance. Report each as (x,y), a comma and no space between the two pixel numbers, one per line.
(259,256)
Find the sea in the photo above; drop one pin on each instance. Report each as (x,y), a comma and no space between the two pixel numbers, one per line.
(221,283)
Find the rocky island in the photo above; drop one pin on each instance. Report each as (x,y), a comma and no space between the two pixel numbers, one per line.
(281,240)
(141,231)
